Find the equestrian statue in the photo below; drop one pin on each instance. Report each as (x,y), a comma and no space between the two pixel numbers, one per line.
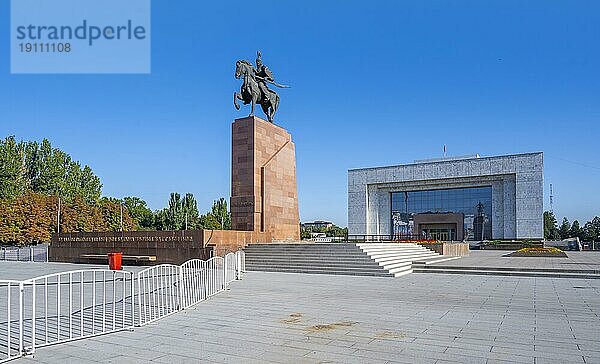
(254,88)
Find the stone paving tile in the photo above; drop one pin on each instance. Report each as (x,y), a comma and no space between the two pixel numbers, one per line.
(419,318)
(494,258)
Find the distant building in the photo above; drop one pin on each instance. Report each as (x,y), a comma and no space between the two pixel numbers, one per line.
(318,224)
(462,198)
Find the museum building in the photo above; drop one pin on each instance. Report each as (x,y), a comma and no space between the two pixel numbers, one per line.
(469,198)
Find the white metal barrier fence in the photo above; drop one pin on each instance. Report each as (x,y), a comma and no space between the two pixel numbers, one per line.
(38,253)
(166,289)
(157,292)
(231,263)
(241,262)
(64,306)
(73,305)
(10,321)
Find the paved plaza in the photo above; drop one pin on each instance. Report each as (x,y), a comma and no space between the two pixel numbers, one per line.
(587,260)
(302,318)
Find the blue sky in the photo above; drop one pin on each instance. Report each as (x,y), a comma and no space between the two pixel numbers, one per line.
(373,83)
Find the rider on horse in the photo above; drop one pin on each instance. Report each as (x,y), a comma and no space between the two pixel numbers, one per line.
(254,89)
(263,75)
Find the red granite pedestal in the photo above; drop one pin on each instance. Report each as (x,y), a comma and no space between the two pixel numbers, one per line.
(264,195)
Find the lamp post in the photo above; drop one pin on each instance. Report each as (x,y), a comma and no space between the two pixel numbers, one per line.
(58,216)
(121,207)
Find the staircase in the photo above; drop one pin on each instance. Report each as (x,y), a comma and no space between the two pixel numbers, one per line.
(315,258)
(398,258)
(371,259)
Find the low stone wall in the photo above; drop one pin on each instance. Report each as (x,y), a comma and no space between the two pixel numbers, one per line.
(449,249)
(169,247)
(174,247)
(226,241)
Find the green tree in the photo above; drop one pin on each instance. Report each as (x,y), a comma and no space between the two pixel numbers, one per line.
(29,166)
(190,212)
(336,231)
(218,218)
(575,231)
(13,173)
(564,229)
(175,212)
(591,230)
(139,211)
(161,220)
(331,231)
(209,221)
(179,211)
(550,226)
(219,211)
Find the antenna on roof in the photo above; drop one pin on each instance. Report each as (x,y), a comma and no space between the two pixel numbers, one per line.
(444,150)
(551,199)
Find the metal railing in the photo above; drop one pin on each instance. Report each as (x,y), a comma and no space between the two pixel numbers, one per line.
(230,267)
(38,253)
(241,263)
(72,305)
(590,245)
(158,292)
(10,320)
(201,279)
(65,306)
(383,238)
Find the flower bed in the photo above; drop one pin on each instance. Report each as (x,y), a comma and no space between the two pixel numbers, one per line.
(509,245)
(539,252)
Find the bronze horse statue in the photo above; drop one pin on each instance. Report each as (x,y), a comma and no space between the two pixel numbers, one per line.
(251,91)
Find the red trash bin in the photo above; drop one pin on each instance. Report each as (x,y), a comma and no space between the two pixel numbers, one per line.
(114,261)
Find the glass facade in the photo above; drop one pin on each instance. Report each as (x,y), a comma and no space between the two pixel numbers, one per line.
(474,203)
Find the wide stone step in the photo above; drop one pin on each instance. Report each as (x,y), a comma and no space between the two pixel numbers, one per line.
(391,248)
(386,259)
(383,251)
(370,265)
(312,253)
(397,270)
(302,246)
(434,259)
(308,252)
(507,273)
(518,269)
(396,254)
(386,245)
(291,269)
(311,268)
(392,265)
(315,261)
(307,256)
(405,257)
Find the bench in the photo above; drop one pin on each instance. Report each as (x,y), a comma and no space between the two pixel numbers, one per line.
(136,258)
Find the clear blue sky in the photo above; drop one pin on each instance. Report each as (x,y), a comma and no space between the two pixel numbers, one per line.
(373,83)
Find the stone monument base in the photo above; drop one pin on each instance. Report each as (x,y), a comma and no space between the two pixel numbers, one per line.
(264,196)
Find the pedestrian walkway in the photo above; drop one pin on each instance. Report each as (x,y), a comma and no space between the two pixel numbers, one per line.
(421,318)
(586,260)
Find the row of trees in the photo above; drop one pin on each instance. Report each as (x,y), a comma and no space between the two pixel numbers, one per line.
(590,231)
(180,214)
(332,231)
(32,217)
(35,179)
(38,167)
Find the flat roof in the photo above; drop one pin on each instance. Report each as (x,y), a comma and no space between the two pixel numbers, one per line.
(448,160)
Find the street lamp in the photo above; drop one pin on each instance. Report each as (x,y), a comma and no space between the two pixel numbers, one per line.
(121,207)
